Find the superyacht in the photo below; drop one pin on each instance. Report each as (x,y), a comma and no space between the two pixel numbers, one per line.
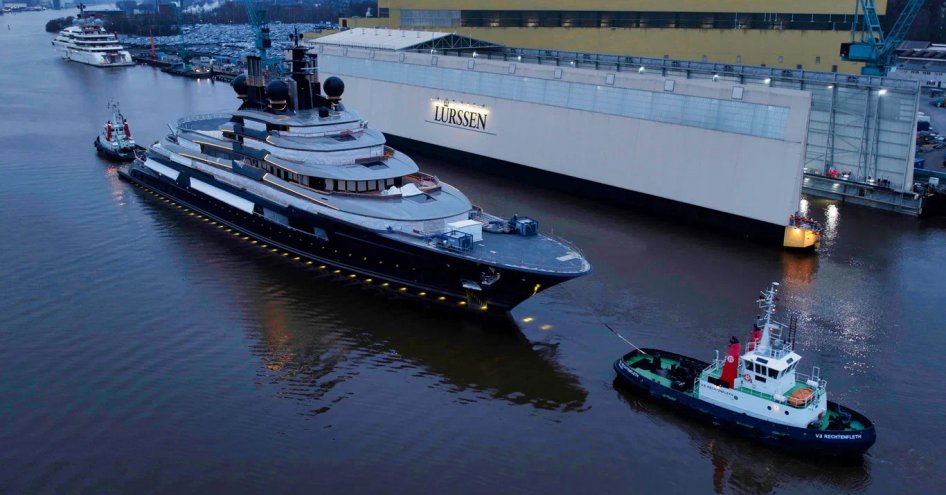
(88,42)
(294,171)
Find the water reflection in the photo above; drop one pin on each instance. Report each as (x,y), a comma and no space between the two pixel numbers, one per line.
(314,333)
(832,219)
(798,270)
(743,466)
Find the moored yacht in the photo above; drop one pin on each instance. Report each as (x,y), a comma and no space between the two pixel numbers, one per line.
(88,42)
(294,170)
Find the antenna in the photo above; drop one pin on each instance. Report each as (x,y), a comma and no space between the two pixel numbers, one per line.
(792,328)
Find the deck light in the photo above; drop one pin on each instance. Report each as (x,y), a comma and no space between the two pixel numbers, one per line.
(882,92)
(641,70)
(768,80)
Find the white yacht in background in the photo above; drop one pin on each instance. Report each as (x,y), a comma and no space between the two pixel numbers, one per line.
(88,42)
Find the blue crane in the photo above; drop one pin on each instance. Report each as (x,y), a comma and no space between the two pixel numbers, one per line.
(181,40)
(868,42)
(257,18)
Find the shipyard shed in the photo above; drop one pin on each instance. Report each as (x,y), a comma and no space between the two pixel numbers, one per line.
(732,154)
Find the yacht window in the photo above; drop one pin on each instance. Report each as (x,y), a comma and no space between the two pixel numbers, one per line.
(329,184)
(362,186)
(388,183)
(773,373)
(350,186)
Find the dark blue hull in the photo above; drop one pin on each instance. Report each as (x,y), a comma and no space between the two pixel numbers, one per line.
(353,252)
(122,155)
(808,441)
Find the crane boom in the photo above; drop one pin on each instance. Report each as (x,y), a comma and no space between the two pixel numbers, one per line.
(868,42)
(256,15)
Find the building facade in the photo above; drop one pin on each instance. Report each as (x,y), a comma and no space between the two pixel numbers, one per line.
(733,153)
(923,62)
(790,34)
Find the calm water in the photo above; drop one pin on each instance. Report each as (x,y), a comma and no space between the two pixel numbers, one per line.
(143,350)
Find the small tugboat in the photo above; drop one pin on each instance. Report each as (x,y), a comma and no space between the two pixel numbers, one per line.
(758,394)
(802,232)
(115,141)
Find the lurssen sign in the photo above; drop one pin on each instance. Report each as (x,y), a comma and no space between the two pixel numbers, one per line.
(461,115)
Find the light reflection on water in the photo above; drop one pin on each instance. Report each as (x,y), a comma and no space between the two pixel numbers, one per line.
(832,222)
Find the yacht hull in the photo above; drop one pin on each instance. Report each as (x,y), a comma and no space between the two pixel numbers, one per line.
(430,275)
(95,59)
(805,441)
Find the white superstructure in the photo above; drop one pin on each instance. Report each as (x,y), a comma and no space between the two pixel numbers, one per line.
(766,385)
(88,42)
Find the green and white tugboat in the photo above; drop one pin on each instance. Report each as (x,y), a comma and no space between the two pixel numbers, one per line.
(758,394)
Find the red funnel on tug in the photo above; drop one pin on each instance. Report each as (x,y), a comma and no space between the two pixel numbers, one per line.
(755,338)
(731,366)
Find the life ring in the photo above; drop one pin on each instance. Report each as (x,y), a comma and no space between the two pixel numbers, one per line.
(747,377)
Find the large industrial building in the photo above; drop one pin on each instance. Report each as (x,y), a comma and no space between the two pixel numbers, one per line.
(923,62)
(725,138)
(789,34)
(732,153)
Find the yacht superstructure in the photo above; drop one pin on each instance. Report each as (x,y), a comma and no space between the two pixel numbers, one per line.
(297,171)
(87,42)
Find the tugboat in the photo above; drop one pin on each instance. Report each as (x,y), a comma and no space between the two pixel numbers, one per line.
(115,141)
(757,394)
(802,232)
(295,171)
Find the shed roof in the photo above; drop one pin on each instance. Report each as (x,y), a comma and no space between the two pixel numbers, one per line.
(398,39)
